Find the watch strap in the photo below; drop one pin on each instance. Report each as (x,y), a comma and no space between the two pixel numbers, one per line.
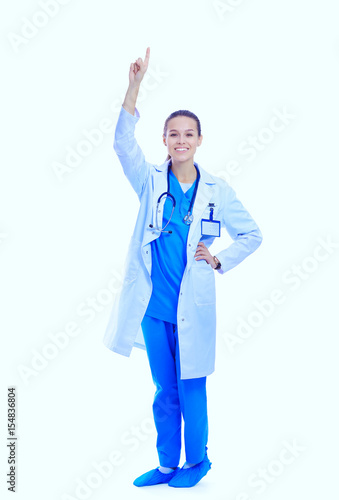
(217,262)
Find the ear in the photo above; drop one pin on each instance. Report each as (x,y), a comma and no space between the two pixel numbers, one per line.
(200,140)
(164,140)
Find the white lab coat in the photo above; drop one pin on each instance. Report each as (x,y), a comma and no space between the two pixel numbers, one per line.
(196,313)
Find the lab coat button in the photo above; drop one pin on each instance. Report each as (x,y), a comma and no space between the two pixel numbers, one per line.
(182,319)
(146,251)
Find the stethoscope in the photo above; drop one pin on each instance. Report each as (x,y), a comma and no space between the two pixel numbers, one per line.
(188,218)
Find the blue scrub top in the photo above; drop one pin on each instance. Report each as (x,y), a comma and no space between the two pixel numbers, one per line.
(169,255)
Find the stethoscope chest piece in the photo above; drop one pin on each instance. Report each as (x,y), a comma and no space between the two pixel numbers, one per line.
(188,219)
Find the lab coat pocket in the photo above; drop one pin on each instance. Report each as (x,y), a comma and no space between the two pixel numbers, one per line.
(203,281)
(132,263)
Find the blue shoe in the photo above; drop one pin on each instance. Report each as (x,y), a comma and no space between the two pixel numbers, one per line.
(186,478)
(154,476)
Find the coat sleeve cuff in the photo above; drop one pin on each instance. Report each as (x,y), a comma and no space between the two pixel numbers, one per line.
(127,115)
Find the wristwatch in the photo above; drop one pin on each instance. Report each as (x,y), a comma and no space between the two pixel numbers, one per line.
(218,263)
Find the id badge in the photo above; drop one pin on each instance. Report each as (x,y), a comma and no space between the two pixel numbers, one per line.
(210,227)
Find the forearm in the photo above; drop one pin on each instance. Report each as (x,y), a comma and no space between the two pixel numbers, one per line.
(131,98)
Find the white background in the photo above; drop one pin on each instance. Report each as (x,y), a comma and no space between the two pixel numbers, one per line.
(64,238)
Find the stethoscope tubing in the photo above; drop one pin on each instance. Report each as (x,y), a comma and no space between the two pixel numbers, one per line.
(168,193)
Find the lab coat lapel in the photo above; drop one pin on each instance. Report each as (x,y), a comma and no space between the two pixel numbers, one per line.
(203,196)
(159,188)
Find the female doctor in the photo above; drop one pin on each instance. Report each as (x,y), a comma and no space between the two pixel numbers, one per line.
(166,304)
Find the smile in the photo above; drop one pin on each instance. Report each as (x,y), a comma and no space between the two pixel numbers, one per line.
(181,149)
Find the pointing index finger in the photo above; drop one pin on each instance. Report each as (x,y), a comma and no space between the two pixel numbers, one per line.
(147,55)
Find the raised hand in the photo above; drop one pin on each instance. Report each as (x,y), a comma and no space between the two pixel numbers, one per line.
(138,69)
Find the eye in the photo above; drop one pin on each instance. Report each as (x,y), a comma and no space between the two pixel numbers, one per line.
(172,134)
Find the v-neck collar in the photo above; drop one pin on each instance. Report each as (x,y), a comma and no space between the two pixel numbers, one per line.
(187,193)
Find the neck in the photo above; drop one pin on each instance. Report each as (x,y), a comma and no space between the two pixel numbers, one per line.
(184,171)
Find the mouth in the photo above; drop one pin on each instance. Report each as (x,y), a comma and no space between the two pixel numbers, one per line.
(181,150)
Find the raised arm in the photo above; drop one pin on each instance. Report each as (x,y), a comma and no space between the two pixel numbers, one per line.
(130,155)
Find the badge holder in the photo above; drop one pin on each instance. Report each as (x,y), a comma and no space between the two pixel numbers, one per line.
(210,227)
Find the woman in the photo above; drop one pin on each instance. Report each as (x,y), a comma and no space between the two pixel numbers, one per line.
(167,301)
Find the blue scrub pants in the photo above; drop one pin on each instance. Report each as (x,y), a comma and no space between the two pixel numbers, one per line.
(174,397)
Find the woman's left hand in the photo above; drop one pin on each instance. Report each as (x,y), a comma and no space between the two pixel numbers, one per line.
(203,253)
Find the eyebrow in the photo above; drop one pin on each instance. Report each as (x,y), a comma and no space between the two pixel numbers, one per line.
(174,130)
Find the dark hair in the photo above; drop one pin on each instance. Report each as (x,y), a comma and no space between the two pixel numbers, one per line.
(182,112)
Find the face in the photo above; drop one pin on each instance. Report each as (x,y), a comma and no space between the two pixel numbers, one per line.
(182,138)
